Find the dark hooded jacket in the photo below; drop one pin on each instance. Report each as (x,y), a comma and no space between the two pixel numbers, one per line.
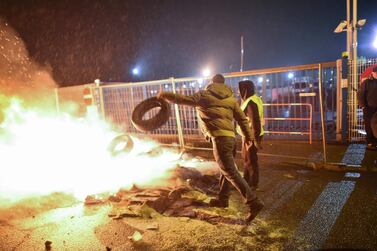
(216,108)
(367,94)
(247,90)
(373,124)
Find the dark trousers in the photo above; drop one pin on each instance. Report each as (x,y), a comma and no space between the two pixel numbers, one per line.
(223,151)
(368,114)
(251,167)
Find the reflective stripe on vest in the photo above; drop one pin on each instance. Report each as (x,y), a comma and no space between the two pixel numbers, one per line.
(257,100)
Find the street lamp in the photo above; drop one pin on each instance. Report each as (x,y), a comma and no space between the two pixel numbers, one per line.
(97,82)
(351,27)
(135,71)
(375,42)
(206,72)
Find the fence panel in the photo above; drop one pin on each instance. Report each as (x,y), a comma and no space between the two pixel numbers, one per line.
(70,99)
(285,85)
(356,128)
(120,100)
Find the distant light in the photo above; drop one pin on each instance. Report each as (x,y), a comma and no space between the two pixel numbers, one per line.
(200,81)
(375,42)
(260,79)
(286,113)
(135,71)
(290,75)
(267,80)
(206,72)
(184,86)
(97,81)
(363,132)
(166,86)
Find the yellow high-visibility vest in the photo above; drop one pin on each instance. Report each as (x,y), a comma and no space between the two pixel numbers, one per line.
(257,100)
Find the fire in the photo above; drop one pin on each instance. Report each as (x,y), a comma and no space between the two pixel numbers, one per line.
(44,152)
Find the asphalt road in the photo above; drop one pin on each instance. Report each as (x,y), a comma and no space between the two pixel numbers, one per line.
(305,210)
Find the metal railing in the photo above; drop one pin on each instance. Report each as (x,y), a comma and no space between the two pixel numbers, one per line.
(356,126)
(288,92)
(289,120)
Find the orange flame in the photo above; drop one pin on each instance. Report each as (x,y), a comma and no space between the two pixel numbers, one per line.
(44,152)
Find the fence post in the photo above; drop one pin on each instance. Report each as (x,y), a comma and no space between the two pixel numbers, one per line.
(339,101)
(102,103)
(178,118)
(311,124)
(57,100)
(322,116)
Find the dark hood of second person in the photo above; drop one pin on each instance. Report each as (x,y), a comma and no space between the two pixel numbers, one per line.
(246,88)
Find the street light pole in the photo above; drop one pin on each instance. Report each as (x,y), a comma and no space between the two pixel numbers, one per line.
(354,83)
(349,29)
(354,42)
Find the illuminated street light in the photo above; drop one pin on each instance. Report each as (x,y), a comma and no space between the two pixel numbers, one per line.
(375,42)
(290,75)
(135,71)
(206,72)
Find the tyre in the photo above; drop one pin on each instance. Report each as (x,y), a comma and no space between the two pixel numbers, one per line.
(155,122)
(120,145)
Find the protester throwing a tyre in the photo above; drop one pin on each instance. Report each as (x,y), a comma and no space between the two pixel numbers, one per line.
(217,108)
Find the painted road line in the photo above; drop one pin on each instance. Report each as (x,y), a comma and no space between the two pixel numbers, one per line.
(315,227)
(354,155)
(352,175)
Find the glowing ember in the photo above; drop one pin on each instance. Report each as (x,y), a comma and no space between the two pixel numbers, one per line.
(43,153)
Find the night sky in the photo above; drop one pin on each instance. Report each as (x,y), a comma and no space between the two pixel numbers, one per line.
(89,39)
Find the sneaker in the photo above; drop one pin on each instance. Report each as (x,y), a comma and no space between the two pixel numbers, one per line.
(255,207)
(218,203)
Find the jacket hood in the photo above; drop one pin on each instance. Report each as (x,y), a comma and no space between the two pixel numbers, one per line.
(247,89)
(220,90)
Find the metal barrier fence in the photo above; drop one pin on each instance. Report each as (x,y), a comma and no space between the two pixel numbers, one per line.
(356,126)
(290,94)
(297,121)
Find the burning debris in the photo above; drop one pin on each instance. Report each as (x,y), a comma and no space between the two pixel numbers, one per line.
(60,153)
(174,201)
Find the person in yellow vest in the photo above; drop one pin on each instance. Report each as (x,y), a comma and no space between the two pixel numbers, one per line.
(252,105)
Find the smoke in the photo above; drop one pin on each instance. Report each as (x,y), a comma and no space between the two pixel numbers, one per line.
(19,75)
(43,152)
